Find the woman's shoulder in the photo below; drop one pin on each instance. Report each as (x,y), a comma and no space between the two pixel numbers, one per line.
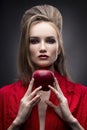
(71,86)
(77,87)
(12,88)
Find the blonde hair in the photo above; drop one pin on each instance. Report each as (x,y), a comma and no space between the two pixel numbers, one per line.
(40,13)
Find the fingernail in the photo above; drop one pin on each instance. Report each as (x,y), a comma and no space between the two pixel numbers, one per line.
(32,78)
(40,86)
(49,86)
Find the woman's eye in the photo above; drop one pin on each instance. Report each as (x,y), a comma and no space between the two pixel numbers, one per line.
(34,41)
(50,41)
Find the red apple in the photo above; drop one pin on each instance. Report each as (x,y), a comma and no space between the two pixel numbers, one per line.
(43,78)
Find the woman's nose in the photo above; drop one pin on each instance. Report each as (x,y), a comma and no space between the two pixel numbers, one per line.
(43,47)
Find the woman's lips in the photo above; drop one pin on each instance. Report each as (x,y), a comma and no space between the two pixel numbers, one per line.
(43,57)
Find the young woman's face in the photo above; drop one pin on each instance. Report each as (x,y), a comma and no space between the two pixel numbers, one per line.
(43,45)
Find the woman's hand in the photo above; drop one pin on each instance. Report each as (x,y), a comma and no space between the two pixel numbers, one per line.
(62,109)
(29,100)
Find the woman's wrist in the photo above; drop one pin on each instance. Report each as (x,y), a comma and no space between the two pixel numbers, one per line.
(75,125)
(17,122)
(15,125)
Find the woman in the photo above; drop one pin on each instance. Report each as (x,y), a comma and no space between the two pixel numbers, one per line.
(64,106)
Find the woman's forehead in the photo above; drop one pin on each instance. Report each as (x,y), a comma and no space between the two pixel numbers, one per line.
(43,28)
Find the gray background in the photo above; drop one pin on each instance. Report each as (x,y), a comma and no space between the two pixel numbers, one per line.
(74,36)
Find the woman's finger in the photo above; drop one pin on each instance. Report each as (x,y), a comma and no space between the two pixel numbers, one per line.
(59,94)
(53,89)
(35,100)
(56,84)
(34,92)
(29,87)
(49,103)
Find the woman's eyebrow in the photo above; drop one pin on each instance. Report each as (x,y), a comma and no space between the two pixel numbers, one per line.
(47,37)
(33,37)
(50,36)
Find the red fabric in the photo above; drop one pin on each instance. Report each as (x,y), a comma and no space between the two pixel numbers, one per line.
(11,95)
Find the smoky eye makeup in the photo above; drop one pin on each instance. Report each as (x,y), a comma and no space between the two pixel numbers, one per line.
(33,40)
(51,40)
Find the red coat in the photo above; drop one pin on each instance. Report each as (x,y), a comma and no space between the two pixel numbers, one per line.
(11,95)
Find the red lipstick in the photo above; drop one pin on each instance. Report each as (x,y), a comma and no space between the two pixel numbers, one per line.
(43,57)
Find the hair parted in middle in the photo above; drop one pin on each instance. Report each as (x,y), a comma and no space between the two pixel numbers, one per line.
(33,15)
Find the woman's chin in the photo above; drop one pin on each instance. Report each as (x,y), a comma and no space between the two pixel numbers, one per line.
(44,66)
